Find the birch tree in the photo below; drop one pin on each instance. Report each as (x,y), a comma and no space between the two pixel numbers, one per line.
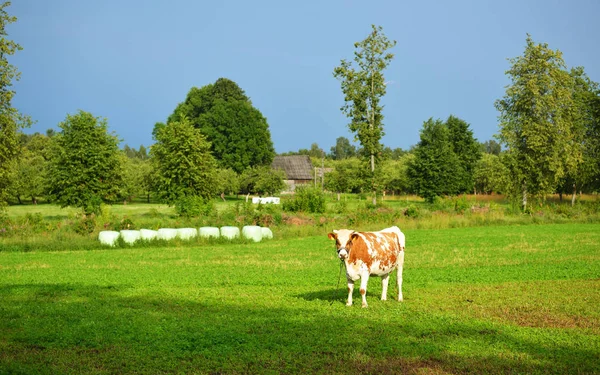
(537,117)
(363,85)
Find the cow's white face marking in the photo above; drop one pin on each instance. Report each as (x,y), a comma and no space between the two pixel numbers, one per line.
(342,237)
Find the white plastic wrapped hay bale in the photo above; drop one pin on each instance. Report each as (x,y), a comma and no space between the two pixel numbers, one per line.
(230,232)
(130,236)
(187,233)
(166,234)
(207,232)
(108,237)
(252,232)
(266,232)
(148,234)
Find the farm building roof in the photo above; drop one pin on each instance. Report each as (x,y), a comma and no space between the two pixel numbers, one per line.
(296,167)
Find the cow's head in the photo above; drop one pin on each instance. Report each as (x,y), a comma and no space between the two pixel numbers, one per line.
(343,241)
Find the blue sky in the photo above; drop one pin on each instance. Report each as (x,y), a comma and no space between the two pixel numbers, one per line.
(133,61)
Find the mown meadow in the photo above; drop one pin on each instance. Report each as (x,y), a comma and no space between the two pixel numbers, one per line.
(480,298)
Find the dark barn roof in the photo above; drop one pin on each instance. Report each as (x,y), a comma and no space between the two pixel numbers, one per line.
(296,167)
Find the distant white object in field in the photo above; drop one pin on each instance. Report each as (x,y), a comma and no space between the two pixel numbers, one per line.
(230,232)
(148,234)
(130,236)
(207,232)
(187,233)
(266,232)
(252,232)
(166,234)
(274,200)
(108,237)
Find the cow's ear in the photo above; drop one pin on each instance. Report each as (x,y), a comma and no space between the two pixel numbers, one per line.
(353,236)
(332,236)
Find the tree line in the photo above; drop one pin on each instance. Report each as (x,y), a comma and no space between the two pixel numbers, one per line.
(216,142)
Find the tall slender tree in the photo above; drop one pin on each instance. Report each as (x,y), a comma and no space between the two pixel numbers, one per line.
(537,117)
(363,85)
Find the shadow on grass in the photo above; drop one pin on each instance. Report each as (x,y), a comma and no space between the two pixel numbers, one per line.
(72,328)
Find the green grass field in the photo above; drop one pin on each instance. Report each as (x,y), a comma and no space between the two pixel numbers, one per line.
(484,300)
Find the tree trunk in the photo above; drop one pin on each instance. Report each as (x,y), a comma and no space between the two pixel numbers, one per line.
(19,199)
(574,195)
(524,198)
(373,179)
(338,196)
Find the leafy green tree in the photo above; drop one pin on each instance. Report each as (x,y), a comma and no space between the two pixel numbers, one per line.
(466,147)
(395,174)
(31,174)
(490,147)
(239,133)
(343,149)
(262,180)
(183,163)
(587,100)
(344,178)
(363,87)
(229,181)
(393,154)
(85,170)
(537,122)
(432,171)
(491,175)
(10,119)
(135,172)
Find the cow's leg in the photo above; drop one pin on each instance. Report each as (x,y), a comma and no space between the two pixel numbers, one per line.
(385,280)
(350,290)
(399,278)
(364,280)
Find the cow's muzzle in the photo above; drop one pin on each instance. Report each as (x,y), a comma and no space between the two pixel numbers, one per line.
(342,253)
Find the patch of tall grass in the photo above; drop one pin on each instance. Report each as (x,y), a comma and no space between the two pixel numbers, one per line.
(47,227)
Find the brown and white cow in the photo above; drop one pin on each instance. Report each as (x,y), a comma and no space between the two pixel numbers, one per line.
(370,253)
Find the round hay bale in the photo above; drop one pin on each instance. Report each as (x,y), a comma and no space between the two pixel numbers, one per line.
(187,233)
(230,232)
(207,232)
(130,236)
(148,234)
(166,234)
(266,232)
(108,237)
(252,232)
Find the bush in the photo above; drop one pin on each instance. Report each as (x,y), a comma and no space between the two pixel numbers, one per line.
(193,206)
(85,225)
(306,199)
(412,212)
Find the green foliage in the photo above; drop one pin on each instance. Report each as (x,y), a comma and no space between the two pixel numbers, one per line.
(229,181)
(239,133)
(86,168)
(466,147)
(136,177)
(490,175)
(363,87)
(306,199)
(432,171)
(343,149)
(538,122)
(10,119)
(412,212)
(85,224)
(345,176)
(262,180)
(193,206)
(183,163)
